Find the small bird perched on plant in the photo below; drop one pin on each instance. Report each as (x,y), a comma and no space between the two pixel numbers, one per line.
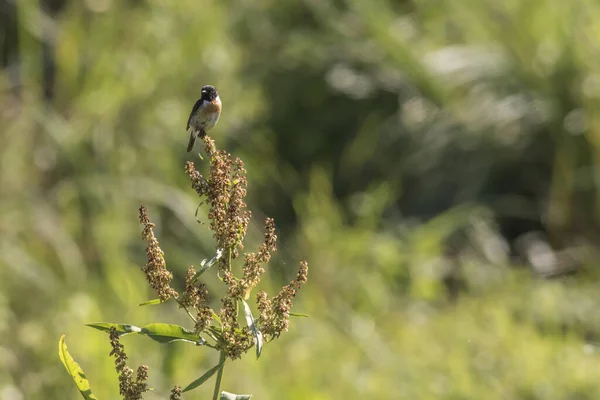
(204,115)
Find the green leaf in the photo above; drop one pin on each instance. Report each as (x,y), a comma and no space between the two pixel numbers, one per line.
(216,317)
(206,264)
(215,333)
(293,314)
(167,333)
(74,370)
(258,338)
(231,396)
(203,378)
(122,329)
(162,333)
(151,302)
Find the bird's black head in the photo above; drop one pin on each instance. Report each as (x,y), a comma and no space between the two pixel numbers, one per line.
(209,93)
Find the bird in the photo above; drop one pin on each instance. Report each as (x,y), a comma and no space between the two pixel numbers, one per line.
(205,114)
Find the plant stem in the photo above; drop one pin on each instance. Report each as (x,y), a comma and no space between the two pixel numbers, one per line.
(186,310)
(229,259)
(223,355)
(219,375)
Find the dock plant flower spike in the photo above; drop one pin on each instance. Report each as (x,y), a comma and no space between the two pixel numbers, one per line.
(222,191)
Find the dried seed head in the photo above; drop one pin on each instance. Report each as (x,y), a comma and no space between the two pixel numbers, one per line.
(253,262)
(219,193)
(175,393)
(129,389)
(196,296)
(236,341)
(199,183)
(203,318)
(274,315)
(140,381)
(118,350)
(190,296)
(225,190)
(155,269)
(237,215)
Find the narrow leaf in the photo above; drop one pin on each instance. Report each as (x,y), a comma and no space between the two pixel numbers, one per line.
(167,333)
(231,396)
(150,302)
(122,329)
(215,333)
(206,264)
(258,338)
(74,370)
(203,378)
(216,317)
(293,314)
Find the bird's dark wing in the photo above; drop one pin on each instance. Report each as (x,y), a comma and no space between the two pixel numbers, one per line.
(196,107)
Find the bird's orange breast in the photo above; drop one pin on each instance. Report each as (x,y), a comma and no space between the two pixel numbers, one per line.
(209,108)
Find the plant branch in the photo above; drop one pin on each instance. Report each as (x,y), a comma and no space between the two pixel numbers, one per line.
(186,310)
(219,375)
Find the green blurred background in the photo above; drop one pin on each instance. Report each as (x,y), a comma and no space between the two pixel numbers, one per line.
(436,162)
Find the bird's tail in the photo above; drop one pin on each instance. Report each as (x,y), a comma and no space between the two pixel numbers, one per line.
(192,141)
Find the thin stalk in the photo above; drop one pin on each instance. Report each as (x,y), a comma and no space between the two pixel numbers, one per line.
(223,355)
(186,310)
(229,259)
(219,375)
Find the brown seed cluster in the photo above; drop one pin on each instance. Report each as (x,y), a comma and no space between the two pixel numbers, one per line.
(225,190)
(129,388)
(196,296)
(237,215)
(274,315)
(191,296)
(253,262)
(175,393)
(155,269)
(199,183)
(219,195)
(236,341)
(253,265)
